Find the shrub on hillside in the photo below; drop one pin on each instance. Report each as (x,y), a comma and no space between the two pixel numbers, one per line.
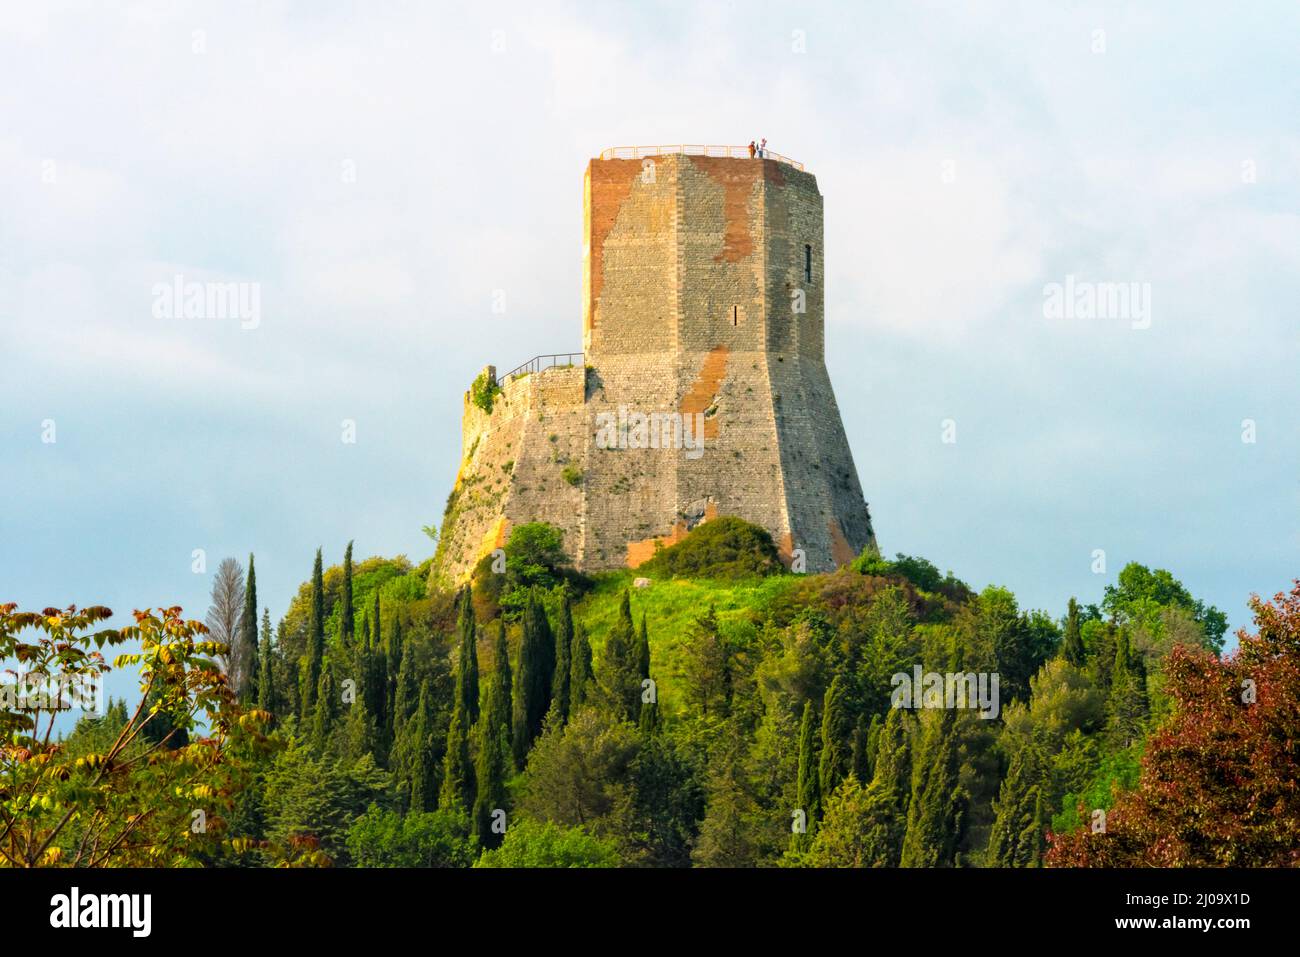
(921,573)
(725,548)
(534,558)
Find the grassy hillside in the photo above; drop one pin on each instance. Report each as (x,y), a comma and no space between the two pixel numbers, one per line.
(671,606)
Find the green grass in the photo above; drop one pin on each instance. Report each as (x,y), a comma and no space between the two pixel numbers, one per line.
(671,606)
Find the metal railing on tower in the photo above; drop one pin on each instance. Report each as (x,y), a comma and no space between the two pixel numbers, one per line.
(733,152)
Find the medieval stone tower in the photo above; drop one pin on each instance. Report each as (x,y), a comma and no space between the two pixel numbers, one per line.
(703,311)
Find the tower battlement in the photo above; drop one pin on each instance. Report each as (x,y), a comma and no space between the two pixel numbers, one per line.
(703,322)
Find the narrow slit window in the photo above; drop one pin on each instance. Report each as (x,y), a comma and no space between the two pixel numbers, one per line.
(807,263)
(735,315)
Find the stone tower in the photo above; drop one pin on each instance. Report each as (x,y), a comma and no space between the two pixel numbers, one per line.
(703,309)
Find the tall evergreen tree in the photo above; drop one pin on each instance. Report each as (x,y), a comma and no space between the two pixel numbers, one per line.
(863,826)
(643,651)
(315,638)
(807,784)
(394,662)
(532,691)
(416,765)
(458,773)
(501,679)
(467,662)
(1101,656)
(1072,644)
(1127,705)
(647,721)
(563,657)
(620,672)
(860,758)
(323,711)
(245,655)
(936,812)
(890,789)
(293,681)
(376,677)
(490,769)
(347,626)
(837,735)
(1017,839)
(361,734)
(649,715)
(266,666)
(405,696)
(580,675)
(707,666)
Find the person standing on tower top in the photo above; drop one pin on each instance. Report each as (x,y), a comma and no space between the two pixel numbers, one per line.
(752,149)
(762,148)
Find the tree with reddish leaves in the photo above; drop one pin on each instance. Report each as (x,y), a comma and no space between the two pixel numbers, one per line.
(1219,777)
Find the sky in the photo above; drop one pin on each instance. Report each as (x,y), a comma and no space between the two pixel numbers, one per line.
(383,174)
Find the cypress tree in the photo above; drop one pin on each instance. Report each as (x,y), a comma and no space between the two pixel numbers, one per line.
(620,672)
(580,676)
(836,734)
(467,663)
(1016,839)
(648,721)
(1072,644)
(377,677)
(458,773)
(1127,705)
(394,663)
(315,638)
(935,813)
(246,654)
(292,690)
(807,785)
(360,732)
(501,679)
(860,758)
(347,626)
(323,713)
(490,768)
(874,731)
(643,651)
(404,696)
(416,756)
(643,667)
(1101,666)
(265,669)
(889,792)
(649,714)
(563,658)
(532,691)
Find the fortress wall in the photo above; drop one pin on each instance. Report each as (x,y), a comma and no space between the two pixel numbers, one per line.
(509,468)
(631,493)
(827,512)
(477,501)
(553,438)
